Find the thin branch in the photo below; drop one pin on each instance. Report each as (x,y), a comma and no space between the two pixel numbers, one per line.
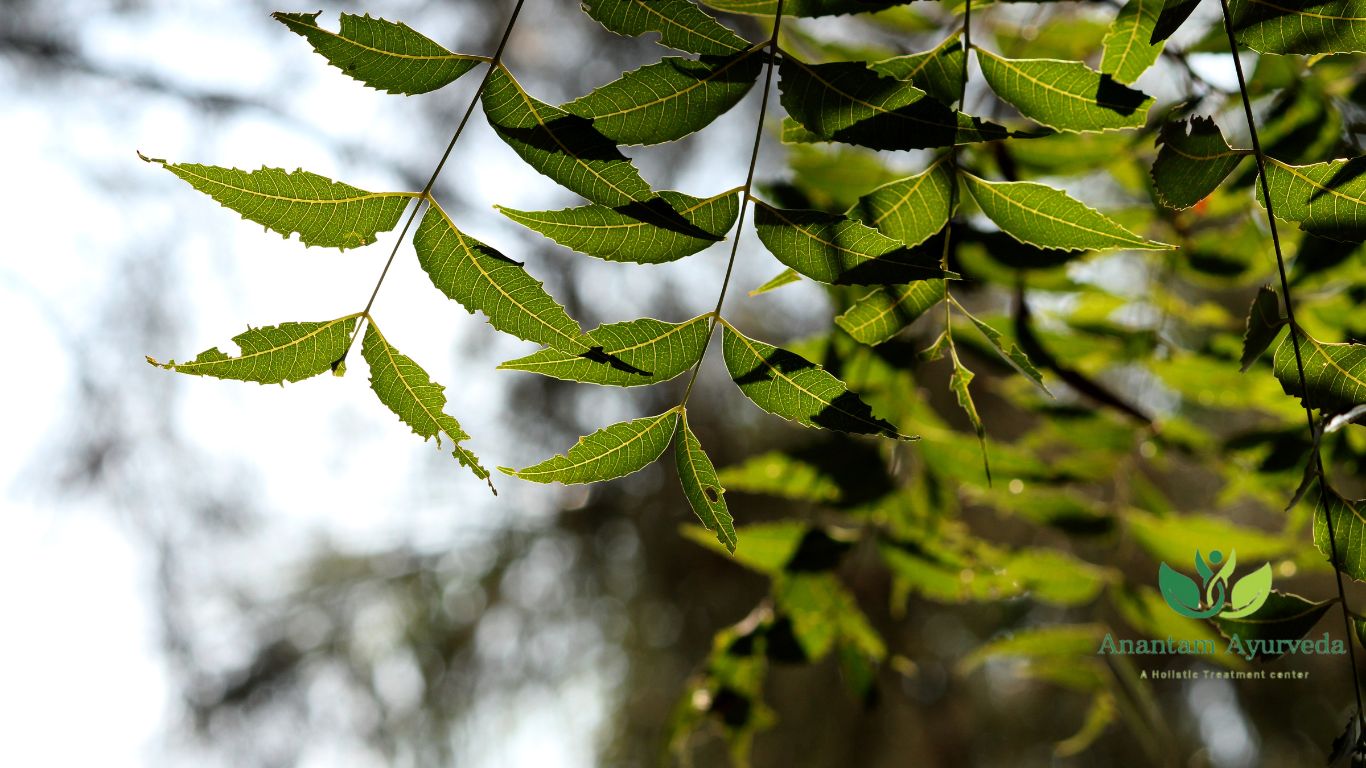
(1317,457)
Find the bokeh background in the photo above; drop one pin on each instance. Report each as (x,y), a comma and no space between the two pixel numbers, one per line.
(210,573)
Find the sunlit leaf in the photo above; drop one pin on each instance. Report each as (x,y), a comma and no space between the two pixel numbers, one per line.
(1190,166)
(1335,373)
(668,100)
(629,354)
(608,453)
(803,7)
(1050,218)
(1128,53)
(882,312)
(274,354)
(1300,26)
(385,55)
(1327,199)
(1066,95)
(835,249)
(324,212)
(680,24)
(938,72)
(912,209)
(701,486)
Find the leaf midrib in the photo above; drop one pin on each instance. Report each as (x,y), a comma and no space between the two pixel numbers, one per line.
(633,439)
(356,43)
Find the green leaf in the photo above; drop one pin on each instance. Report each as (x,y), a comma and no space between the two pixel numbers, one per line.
(768,546)
(670,99)
(385,55)
(1190,166)
(1009,352)
(912,209)
(1335,373)
(607,454)
(1327,199)
(1282,617)
(1068,640)
(797,389)
(784,476)
(959,383)
(1147,612)
(1049,218)
(680,24)
(1066,95)
(1264,323)
(824,613)
(938,72)
(1173,539)
(787,277)
(884,311)
(803,7)
(324,212)
(850,103)
(1127,50)
(418,401)
(1174,13)
(702,487)
(628,354)
(667,228)
(563,146)
(838,250)
(480,278)
(1102,712)
(274,354)
(1300,26)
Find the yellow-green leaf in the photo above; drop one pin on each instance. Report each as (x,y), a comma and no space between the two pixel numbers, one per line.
(608,453)
(275,354)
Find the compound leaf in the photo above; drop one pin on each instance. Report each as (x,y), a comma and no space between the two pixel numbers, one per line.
(911,209)
(628,354)
(702,486)
(411,394)
(884,311)
(385,55)
(1127,50)
(1327,199)
(1065,95)
(668,100)
(667,228)
(680,24)
(850,103)
(609,453)
(1300,26)
(1190,166)
(275,354)
(1264,323)
(481,278)
(561,145)
(838,250)
(1335,373)
(1050,218)
(324,212)
(790,386)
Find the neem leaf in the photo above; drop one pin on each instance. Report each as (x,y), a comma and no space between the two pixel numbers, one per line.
(1128,51)
(668,100)
(1173,14)
(1066,95)
(628,354)
(785,476)
(1282,617)
(385,55)
(911,209)
(1300,26)
(850,103)
(1349,530)
(1049,218)
(838,250)
(1264,323)
(959,383)
(680,24)
(790,386)
(324,212)
(481,278)
(1327,199)
(702,487)
(1335,373)
(938,72)
(786,277)
(667,228)
(884,311)
(275,354)
(410,393)
(803,7)
(1012,354)
(608,453)
(563,146)
(1190,166)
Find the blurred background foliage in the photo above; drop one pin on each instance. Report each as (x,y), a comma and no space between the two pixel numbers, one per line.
(887,605)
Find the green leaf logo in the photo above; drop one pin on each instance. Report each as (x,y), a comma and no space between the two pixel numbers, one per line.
(1217,593)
